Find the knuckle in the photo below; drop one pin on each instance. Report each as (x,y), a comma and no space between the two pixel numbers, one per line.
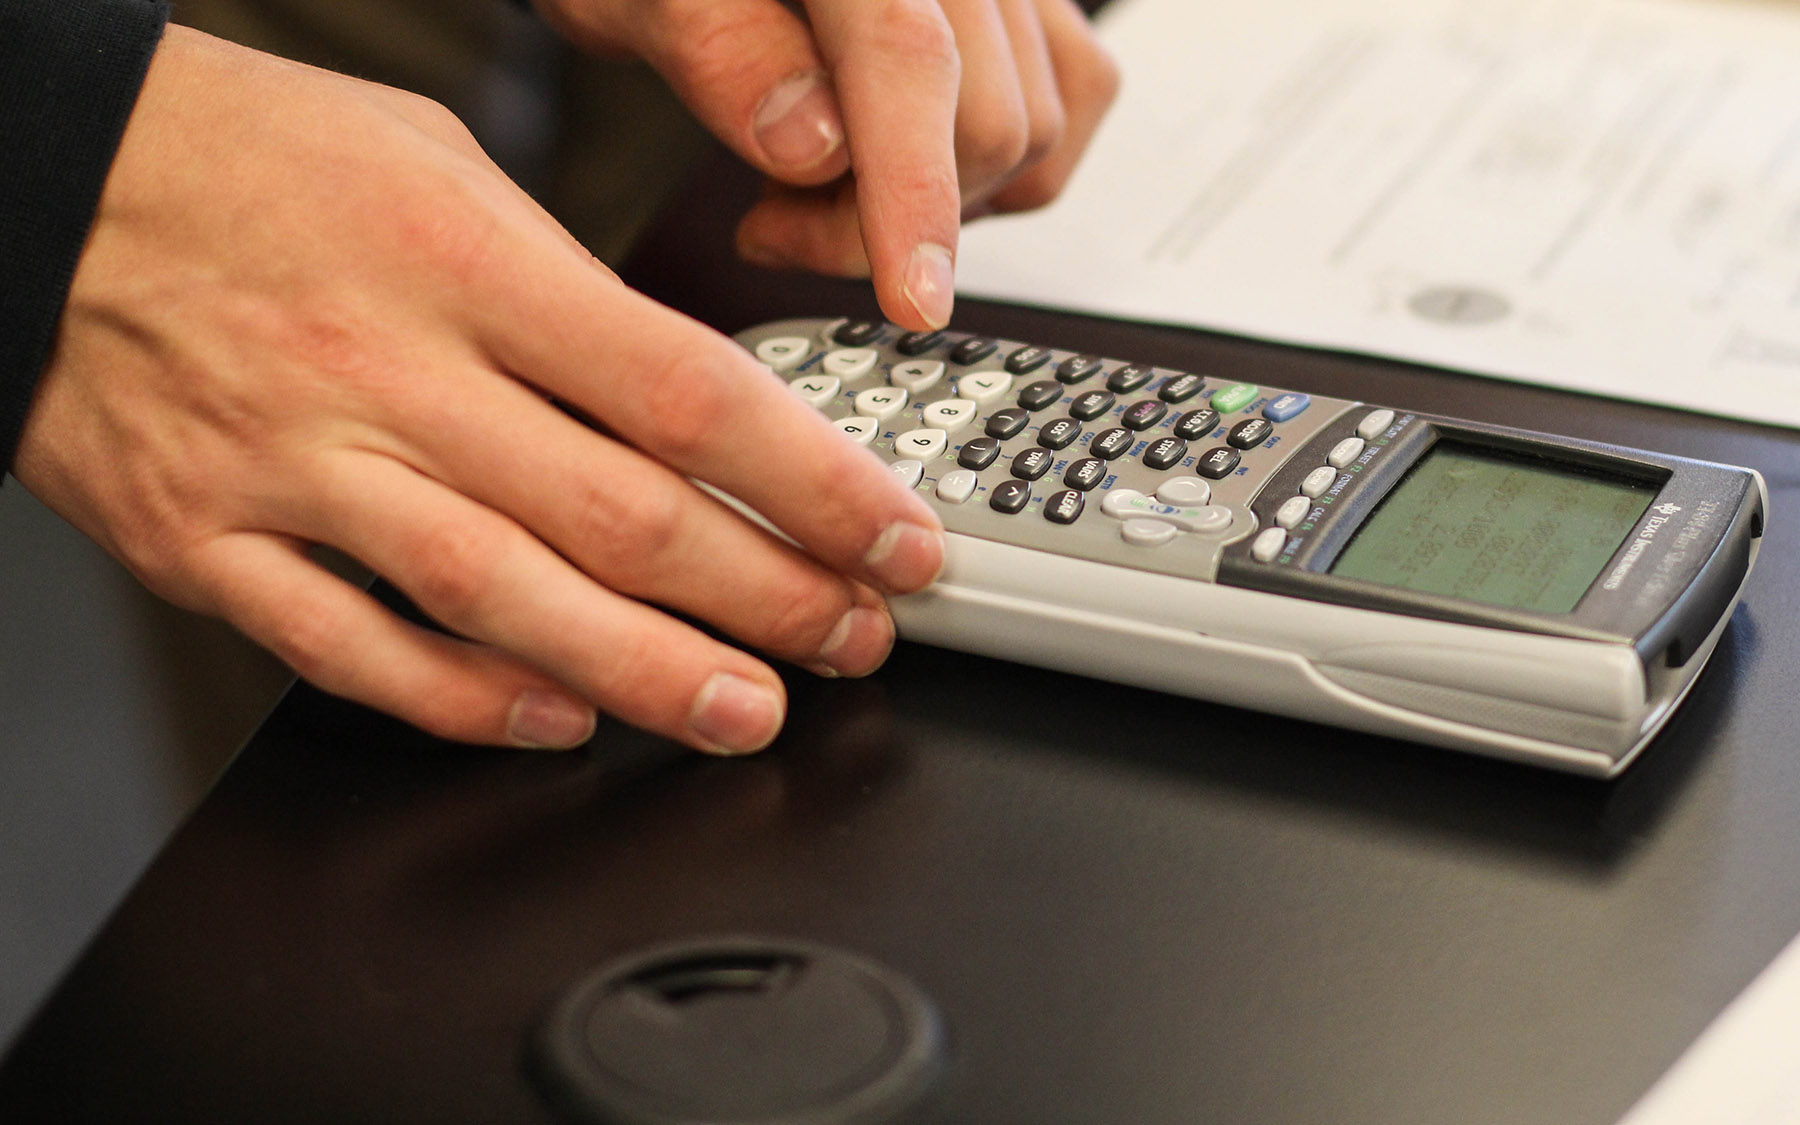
(709,43)
(685,401)
(800,617)
(307,637)
(993,139)
(625,536)
(1049,124)
(917,31)
(450,567)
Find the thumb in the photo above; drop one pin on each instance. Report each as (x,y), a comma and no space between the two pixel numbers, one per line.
(749,70)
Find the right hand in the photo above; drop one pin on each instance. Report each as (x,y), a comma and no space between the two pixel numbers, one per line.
(311,311)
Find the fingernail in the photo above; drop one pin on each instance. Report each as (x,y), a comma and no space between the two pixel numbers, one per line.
(906,557)
(931,283)
(546,720)
(797,124)
(733,715)
(858,643)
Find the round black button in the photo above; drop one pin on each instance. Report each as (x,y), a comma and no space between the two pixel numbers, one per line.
(1250,433)
(978,453)
(1032,463)
(1003,424)
(1058,434)
(1108,444)
(1091,405)
(743,1030)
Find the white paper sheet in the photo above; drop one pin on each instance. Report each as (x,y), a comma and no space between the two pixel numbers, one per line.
(1602,195)
(1745,1069)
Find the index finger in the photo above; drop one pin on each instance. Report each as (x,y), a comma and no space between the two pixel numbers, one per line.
(702,405)
(897,72)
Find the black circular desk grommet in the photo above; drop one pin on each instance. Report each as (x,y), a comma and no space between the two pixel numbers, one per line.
(740,1030)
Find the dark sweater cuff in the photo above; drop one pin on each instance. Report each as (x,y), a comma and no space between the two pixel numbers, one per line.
(70,71)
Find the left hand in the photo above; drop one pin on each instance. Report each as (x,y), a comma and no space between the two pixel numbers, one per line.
(881,123)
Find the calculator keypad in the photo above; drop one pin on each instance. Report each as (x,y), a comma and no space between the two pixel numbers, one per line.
(1073,453)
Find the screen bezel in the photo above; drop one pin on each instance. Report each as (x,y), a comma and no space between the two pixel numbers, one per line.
(1642,612)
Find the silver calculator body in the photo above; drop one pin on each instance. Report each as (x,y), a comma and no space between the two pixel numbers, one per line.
(1541,599)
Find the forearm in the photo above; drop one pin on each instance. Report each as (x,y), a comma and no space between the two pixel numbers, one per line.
(70,71)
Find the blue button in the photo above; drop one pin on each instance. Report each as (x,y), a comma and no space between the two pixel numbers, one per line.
(1283,407)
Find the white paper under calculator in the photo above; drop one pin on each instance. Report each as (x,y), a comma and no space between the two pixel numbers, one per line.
(1602,195)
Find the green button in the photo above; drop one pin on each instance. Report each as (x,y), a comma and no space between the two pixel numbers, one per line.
(1234,396)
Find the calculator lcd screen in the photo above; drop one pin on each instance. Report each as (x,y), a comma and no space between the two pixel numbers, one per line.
(1501,529)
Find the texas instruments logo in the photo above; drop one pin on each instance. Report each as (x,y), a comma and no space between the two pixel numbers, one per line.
(1667,509)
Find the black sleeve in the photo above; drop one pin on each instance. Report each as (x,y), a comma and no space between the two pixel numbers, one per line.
(69,75)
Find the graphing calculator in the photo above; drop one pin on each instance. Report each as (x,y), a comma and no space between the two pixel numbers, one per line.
(1543,599)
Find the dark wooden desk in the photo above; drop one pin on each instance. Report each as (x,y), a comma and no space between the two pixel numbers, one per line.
(1130,907)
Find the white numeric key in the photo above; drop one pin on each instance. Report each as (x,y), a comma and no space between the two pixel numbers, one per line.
(817,389)
(784,353)
(850,363)
(922,445)
(917,375)
(881,402)
(984,386)
(861,430)
(949,414)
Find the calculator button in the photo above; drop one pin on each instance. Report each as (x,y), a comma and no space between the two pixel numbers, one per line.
(1009,496)
(1109,444)
(917,375)
(1293,511)
(1208,519)
(922,445)
(1058,434)
(1184,491)
(784,353)
(1027,359)
(1032,463)
(909,471)
(857,333)
(1147,533)
(978,453)
(1250,433)
(984,386)
(1116,502)
(1345,452)
(1283,407)
(918,343)
(1085,473)
(1041,394)
(956,486)
(1268,544)
(1233,397)
(1373,424)
(949,413)
(1318,481)
(1065,506)
(1196,424)
(1218,462)
(1129,378)
(850,363)
(1143,415)
(1003,424)
(1183,387)
(817,389)
(881,402)
(1076,368)
(861,430)
(1165,453)
(1091,405)
(973,350)
(828,334)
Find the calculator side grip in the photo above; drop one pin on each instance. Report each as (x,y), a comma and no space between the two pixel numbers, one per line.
(1577,705)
